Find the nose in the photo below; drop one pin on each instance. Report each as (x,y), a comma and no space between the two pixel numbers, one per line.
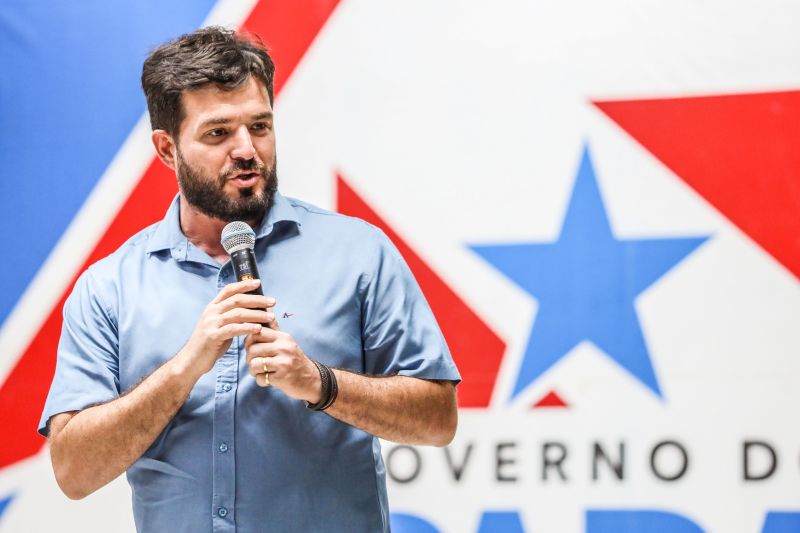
(243,145)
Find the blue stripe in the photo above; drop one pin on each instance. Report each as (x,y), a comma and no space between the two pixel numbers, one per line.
(70,96)
(4,503)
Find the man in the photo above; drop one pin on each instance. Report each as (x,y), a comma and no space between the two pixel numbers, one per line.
(164,369)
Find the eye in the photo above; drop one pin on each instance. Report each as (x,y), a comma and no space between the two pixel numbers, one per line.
(261,126)
(218,132)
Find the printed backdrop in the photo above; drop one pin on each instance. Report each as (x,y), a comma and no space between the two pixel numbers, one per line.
(600,200)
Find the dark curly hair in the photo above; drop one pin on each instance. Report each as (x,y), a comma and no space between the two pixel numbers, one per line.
(208,55)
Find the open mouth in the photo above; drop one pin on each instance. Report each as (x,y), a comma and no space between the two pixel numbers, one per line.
(246,179)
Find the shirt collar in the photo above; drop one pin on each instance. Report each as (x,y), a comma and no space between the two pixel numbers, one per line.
(168,234)
(281,211)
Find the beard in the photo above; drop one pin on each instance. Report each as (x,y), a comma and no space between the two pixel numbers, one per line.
(207,194)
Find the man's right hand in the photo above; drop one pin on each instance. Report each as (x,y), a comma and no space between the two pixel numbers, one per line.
(91,447)
(230,314)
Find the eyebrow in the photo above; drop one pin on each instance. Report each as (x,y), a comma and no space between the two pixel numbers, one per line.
(215,121)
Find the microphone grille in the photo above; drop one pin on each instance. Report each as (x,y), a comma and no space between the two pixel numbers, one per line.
(237,236)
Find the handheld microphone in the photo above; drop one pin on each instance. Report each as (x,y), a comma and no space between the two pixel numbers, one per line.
(239,239)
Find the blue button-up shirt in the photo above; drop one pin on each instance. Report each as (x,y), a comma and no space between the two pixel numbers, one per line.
(238,457)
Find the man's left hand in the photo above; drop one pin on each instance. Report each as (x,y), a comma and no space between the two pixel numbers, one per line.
(288,366)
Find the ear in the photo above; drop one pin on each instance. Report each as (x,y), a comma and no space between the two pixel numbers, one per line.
(165,147)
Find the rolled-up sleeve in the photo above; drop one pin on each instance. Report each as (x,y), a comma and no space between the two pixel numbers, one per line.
(87,368)
(400,333)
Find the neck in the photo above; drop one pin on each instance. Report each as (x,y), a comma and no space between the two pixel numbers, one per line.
(204,231)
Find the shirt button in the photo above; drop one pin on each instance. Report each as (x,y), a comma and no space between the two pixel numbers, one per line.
(223,447)
(222,512)
(226,387)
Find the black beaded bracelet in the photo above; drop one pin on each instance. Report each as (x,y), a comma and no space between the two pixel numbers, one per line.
(330,388)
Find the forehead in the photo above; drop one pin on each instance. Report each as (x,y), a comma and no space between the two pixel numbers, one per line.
(212,102)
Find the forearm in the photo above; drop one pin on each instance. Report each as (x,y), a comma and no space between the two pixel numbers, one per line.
(397,408)
(99,443)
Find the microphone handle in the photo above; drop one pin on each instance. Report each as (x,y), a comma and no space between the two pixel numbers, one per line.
(244,266)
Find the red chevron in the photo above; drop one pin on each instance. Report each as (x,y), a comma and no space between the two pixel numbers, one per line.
(740,152)
(476,349)
(551,399)
(288,27)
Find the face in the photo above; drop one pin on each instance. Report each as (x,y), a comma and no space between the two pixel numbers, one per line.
(225,152)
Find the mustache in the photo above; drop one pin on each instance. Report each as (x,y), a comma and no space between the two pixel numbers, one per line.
(239,165)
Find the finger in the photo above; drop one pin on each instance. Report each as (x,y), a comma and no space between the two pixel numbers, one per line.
(236,288)
(234,330)
(261,349)
(241,315)
(248,301)
(268,335)
(252,340)
(276,362)
(256,366)
(261,380)
(257,338)
(279,363)
(262,365)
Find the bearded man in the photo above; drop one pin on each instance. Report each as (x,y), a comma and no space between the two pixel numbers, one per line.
(165,370)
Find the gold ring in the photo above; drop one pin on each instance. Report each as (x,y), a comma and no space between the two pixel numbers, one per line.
(266,379)
(265,368)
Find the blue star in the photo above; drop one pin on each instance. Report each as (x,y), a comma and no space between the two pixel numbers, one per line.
(586,283)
